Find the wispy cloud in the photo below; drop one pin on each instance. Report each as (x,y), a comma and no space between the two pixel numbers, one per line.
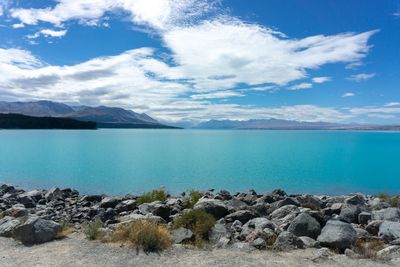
(361,77)
(48,33)
(301,86)
(392,104)
(349,94)
(321,79)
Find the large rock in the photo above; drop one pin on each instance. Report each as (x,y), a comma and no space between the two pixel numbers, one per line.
(389,214)
(215,207)
(364,218)
(156,208)
(287,241)
(389,231)
(109,202)
(356,200)
(349,213)
(284,215)
(242,215)
(181,235)
(337,235)
(310,201)
(7,226)
(54,194)
(36,231)
(373,227)
(26,200)
(305,225)
(218,232)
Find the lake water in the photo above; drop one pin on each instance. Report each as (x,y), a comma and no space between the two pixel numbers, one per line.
(116,161)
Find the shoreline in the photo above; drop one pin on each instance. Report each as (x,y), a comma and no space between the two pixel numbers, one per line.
(348,224)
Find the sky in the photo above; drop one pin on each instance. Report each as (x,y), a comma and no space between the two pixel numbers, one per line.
(195,60)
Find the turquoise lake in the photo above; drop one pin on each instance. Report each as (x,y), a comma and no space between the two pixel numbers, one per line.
(118,161)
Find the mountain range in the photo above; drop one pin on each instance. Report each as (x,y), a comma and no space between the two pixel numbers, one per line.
(105,117)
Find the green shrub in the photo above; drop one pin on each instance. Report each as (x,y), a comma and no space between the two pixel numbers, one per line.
(191,200)
(198,221)
(91,229)
(148,197)
(143,234)
(393,201)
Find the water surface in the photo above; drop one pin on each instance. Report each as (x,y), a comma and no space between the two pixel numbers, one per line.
(117,161)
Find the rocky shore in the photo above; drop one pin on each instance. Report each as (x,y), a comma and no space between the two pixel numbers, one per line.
(356,225)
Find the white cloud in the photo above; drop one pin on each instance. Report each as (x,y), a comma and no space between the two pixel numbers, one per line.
(361,77)
(392,104)
(321,79)
(301,86)
(48,33)
(18,25)
(218,94)
(348,95)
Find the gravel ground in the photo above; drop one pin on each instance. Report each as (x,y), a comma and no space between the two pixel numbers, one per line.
(77,251)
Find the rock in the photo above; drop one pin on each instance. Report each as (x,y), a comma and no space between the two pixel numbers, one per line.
(36,231)
(217,232)
(284,215)
(373,227)
(361,233)
(215,207)
(235,204)
(7,226)
(223,195)
(16,212)
(223,242)
(243,247)
(249,197)
(309,242)
(109,202)
(322,254)
(256,224)
(242,215)
(36,195)
(310,201)
(259,243)
(350,253)
(364,218)
(260,209)
(54,194)
(389,231)
(134,217)
(287,241)
(27,201)
(287,201)
(337,235)
(335,208)
(305,225)
(127,205)
(389,252)
(395,242)
(349,213)
(181,235)
(91,198)
(279,192)
(156,208)
(356,200)
(389,214)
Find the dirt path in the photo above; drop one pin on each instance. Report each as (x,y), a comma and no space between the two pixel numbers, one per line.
(77,251)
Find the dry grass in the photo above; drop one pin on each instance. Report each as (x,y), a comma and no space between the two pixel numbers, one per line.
(393,201)
(191,200)
(311,206)
(92,229)
(368,248)
(148,197)
(199,222)
(142,234)
(67,228)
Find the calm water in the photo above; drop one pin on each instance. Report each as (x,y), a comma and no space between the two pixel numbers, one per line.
(131,161)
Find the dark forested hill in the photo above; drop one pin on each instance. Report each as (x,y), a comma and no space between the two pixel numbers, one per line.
(18,121)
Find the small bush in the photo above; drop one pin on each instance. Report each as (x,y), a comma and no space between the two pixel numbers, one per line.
(368,248)
(142,234)
(67,227)
(393,201)
(152,196)
(198,221)
(91,229)
(191,200)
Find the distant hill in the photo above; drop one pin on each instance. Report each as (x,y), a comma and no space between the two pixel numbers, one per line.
(105,117)
(276,124)
(18,121)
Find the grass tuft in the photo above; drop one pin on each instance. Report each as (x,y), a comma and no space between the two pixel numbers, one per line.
(368,248)
(67,227)
(191,200)
(91,229)
(154,195)
(142,234)
(311,206)
(393,201)
(198,221)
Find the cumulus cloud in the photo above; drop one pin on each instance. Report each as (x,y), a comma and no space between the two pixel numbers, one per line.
(361,77)
(349,94)
(48,33)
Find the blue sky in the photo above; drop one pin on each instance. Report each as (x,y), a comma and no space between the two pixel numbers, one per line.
(194,60)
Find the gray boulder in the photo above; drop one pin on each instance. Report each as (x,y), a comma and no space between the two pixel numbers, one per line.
(305,225)
(309,242)
(54,194)
(258,243)
(373,227)
(287,241)
(218,232)
(389,214)
(7,226)
(284,215)
(349,213)
(389,231)
(242,215)
(156,208)
(337,235)
(109,202)
(181,235)
(36,231)
(215,207)
(356,200)
(364,217)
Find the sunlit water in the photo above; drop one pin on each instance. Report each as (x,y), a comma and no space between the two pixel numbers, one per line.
(118,161)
